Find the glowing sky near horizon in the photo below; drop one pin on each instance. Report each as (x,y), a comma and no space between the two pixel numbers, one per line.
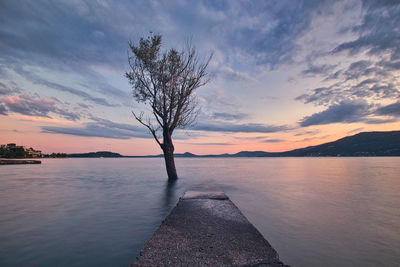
(285,74)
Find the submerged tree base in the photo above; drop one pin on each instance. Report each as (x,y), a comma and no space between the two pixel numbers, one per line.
(170,162)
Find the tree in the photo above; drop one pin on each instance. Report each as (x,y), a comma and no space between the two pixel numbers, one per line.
(165,82)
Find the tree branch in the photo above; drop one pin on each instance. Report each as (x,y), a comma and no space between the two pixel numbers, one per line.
(152,131)
(166,82)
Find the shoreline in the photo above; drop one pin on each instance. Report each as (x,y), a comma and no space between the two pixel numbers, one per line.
(19,161)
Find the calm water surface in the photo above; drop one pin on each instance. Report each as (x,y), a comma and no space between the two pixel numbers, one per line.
(100,212)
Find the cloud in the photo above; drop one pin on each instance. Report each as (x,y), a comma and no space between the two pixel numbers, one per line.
(319,69)
(312,132)
(3,110)
(69,37)
(358,69)
(391,65)
(269,31)
(355,130)
(333,76)
(229,74)
(354,111)
(212,144)
(88,40)
(83,105)
(346,111)
(379,120)
(100,128)
(378,32)
(28,105)
(250,137)
(9,89)
(108,129)
(342,91)
(320,95)
(216,106)
(62,88)
(89,130)
(389,110)
(4,90)
(362,82)
(229,116)
(272,141)
(46,30)
(238,128)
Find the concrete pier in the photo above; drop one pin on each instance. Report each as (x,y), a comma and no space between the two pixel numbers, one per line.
(19,161)
(207,229)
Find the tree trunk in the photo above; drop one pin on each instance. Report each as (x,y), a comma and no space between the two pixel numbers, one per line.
(168,149)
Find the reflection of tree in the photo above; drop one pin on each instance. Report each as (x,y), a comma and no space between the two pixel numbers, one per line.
(169,193)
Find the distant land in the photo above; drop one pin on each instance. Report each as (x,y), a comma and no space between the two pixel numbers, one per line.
(364,144)
(99,154)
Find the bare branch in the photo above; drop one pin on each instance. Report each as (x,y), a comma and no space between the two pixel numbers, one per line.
(166,82)
(148,126)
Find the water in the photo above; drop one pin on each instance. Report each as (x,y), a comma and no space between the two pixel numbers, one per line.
(100,212)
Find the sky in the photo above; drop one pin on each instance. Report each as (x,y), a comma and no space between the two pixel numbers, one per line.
(284,74)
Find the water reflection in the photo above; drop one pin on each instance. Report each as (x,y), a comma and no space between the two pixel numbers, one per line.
(170,197)
(100,212)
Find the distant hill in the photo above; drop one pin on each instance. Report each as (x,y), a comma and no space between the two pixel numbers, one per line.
(361,144)
(184,155)
(99,154)
(252,154)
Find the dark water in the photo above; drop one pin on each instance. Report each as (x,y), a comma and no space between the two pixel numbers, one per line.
(100,212)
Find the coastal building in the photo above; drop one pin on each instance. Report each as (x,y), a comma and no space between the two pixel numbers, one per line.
(11,150)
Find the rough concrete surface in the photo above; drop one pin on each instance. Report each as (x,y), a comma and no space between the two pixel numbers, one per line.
(207,229)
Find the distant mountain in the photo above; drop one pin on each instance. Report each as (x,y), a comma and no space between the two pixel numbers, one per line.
(361,144)
(226,155)
(99,154)
(184,155)
(252,154)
